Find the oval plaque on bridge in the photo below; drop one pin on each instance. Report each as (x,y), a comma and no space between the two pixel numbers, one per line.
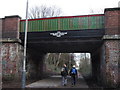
(58,34)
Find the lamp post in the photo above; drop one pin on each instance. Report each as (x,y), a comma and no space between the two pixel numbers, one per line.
(25,45)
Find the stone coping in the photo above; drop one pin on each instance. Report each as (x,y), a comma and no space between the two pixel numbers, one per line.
(111,37)
(10,40)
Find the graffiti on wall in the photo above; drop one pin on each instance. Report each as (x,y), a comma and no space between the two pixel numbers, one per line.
(112,58)
(9,58)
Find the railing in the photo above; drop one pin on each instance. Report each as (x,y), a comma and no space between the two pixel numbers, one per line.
(64,23)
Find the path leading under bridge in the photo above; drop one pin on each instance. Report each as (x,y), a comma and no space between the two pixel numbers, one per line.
(55,82)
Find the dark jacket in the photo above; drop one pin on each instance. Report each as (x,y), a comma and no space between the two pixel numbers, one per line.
(64,72)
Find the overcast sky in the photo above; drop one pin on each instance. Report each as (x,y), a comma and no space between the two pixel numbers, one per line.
(68,7)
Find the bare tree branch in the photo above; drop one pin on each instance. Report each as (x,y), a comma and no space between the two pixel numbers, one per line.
(44,11)
(98,11)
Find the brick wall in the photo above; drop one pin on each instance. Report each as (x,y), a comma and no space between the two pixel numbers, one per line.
(11,61)
(0,55)
(0,69)
(112,21)
(112,57)
(11,54)
(112,46)
(0,28)
(10,27)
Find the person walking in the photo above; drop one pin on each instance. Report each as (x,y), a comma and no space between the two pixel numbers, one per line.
(73,74)
(64,73)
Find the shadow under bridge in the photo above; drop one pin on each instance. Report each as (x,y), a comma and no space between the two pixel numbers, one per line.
(65,41)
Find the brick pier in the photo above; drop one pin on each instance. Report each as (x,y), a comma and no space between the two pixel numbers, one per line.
(112,47)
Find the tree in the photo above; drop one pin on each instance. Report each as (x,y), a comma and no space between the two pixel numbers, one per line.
(44,11)
(98,11)
(55,61)
(85,65)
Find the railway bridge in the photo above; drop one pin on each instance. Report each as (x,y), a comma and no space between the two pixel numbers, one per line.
(97,34)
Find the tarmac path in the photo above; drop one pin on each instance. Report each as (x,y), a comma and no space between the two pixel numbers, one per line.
(55,82)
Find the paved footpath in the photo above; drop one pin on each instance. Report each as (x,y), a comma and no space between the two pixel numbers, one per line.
(55,82)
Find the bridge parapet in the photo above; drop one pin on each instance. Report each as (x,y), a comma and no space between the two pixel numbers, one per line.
(64,23)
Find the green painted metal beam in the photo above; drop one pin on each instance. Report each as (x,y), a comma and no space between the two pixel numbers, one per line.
(64,23)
